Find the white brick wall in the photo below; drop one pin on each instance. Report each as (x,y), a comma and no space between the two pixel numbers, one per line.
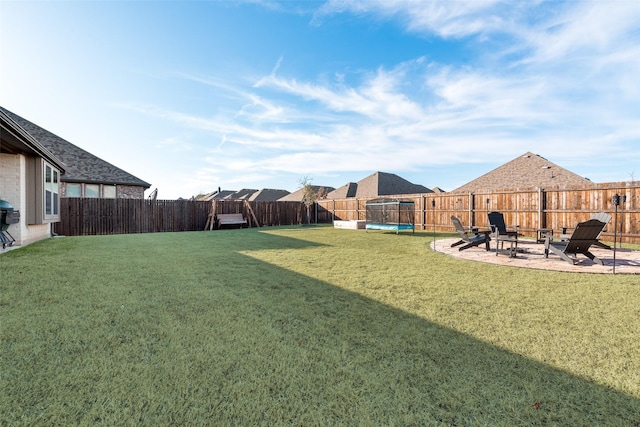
(10,178)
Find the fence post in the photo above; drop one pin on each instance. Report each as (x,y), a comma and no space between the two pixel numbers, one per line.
(472,216)
(542,208)
(424,212)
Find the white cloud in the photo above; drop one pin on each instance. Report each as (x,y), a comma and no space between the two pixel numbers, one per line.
(553,86)
(444,18)
(379,97)
(585,31)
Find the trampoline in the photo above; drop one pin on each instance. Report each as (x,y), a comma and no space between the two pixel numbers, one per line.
(390,215)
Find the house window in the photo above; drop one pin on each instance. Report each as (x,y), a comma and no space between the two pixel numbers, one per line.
(92,190)
(51,192)
(74,190)
(109,191)
(43,192)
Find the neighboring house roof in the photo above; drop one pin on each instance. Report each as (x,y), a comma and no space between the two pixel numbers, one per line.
(378,184)
(528,171)
(15,139)
(218,194)
(438,190)
(344,192)
(224,194)
(81,166)
(268,195)
(298,195)
(243,194)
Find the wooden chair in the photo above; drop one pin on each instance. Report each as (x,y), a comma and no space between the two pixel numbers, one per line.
(584,236)
(469,241)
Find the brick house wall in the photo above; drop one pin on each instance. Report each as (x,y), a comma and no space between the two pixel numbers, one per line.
(129,192)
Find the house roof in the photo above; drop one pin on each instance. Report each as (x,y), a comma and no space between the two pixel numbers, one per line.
(81,166)
(378,184)
(218,194)
(348,190)
(243,194)
(268,195)
(298,195)
(528,171)
(14,139)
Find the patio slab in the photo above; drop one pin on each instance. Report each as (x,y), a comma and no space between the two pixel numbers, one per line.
(531,255)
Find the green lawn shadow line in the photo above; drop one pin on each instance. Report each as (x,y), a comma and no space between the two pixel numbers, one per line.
(451,375)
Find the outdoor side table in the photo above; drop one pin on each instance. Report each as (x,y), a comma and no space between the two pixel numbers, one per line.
(542,233)
(513,246)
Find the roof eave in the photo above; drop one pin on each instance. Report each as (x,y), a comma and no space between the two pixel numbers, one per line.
(107,182)
(29,144)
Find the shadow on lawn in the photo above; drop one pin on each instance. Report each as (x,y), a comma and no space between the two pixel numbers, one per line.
(363,360)
(274,347)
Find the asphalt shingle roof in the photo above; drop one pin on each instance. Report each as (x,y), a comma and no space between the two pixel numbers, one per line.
(264,195)
(243,194)
(298,195)
(17,140)
(344,192)
(526,172)
(378,184)
(81,166)
(268,195)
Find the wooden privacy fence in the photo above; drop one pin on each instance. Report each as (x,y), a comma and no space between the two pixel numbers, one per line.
(530,210)
(88,216)
(267,213)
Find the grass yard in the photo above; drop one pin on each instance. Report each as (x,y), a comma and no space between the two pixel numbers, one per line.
(307,326)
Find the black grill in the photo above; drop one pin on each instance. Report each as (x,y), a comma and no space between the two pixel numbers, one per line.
(8,216)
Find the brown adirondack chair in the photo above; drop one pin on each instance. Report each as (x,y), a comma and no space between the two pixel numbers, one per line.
(468,241)
(584,236)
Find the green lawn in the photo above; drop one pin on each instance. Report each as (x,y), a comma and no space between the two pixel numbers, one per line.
(308,326)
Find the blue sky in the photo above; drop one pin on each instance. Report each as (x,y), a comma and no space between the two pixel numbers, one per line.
(192,96)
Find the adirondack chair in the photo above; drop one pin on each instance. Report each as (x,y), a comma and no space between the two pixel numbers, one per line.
(600,216)
(584,236)
(499,231)
(498,226)
(468,241)
(604,217)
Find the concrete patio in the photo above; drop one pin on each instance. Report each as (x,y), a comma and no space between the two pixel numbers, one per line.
(531,255)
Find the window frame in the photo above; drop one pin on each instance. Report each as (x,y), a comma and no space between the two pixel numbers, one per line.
(43,197)
(92,191)
(51,192)
(75,186)
(106,188)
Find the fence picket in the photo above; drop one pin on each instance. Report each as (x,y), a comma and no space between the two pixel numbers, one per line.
(530,210)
